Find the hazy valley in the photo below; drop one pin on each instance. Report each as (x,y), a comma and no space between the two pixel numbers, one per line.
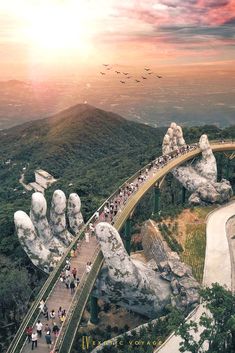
(191,99)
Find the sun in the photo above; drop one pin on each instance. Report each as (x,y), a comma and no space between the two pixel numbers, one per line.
(58,29)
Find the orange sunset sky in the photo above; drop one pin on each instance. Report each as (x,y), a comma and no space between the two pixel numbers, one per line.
(51,37)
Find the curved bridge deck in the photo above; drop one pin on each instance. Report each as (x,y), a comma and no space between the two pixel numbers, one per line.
(55,293)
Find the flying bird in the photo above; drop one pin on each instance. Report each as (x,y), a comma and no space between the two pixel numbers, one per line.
(159,76)
(150,73)
(137,80)
(144,78)
(122,81)
(102,73)
(117,72)
(125,73)
(146,69)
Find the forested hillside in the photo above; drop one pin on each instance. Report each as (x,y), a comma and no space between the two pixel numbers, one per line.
(89,150)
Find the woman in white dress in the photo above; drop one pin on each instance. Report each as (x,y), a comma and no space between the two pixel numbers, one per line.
(87,237)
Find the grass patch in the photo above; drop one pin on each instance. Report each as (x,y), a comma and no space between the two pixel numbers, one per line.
(194,241)
(194,249)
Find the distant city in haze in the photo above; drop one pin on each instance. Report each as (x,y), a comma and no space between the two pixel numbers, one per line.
(189,43)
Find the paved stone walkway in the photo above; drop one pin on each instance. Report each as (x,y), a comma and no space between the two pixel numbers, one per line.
(61,296)
(217,264)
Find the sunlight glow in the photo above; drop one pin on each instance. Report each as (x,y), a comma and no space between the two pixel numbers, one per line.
(58,28)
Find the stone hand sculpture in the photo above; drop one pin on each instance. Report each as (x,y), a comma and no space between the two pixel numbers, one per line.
(200,178)
(45,241)
(133,284)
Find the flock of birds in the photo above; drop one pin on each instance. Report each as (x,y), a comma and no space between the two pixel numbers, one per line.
(126,75)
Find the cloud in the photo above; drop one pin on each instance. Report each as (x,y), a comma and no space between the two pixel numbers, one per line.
(229,22)
(185,31)
(215,3)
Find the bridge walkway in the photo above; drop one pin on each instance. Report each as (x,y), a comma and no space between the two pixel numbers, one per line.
(61,296)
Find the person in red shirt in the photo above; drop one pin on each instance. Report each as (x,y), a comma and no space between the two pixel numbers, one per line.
(29,331)
(74,273)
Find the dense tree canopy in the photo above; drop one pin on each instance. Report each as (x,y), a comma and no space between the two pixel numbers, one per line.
(15,288)
(216,327)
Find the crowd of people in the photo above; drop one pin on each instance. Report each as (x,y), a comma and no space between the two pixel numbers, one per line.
(50,330)
(69,277)
(113,206)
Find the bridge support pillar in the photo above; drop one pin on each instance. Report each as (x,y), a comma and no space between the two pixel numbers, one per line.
(157,199)
(183,195)
(228,169)
(128,235)
(94,309)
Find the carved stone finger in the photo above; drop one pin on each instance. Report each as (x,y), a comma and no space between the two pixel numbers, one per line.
(29,240)
(74,213)
(179,136)
(121,268)
(38,216)
(57,217)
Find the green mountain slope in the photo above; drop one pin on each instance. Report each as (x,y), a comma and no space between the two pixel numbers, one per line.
(93,149)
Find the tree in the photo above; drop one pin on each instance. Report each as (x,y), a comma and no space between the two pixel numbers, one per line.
(216,327)
(15,290)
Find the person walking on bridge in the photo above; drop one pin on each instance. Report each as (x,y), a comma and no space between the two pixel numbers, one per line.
(55,329)
(72,286)
(87,237)
(74,272)
(52,315)
(29,331)
(39,327)
(48,339)
(34,339)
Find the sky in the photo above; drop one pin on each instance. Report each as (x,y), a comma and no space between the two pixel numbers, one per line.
(58,37)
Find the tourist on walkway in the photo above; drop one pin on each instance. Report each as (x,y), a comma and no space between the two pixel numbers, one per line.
(41,306)
(39,327)
(67,273)
(34,339)
(74,272)
(67,282)
(45,312)
(29,331)
(59,312)
(48,339)
(92,229)
(68,265)
(87,237)
(47,328)
(63,316)
(52,315)
(72,287)
(55,329)
(88,267)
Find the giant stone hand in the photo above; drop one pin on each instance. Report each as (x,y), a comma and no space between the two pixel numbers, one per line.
(200,178)
(43,241)
(131,283)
